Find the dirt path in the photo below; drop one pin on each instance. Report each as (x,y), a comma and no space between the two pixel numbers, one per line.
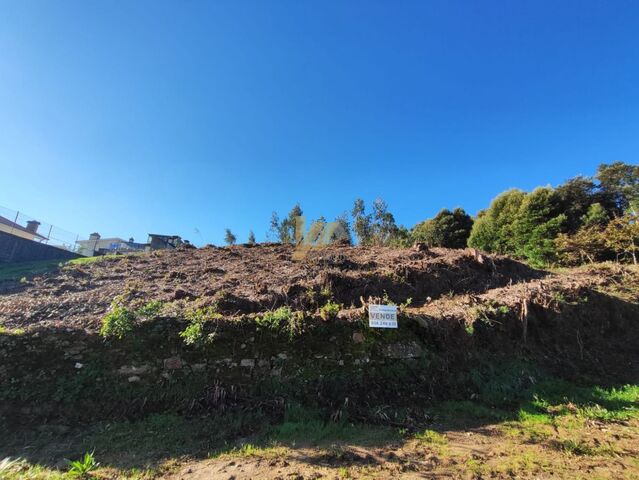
(501,451)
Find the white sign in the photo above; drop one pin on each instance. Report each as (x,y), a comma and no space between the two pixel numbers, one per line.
(382,316)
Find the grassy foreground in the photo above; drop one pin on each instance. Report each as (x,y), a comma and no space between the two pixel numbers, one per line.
(564,429)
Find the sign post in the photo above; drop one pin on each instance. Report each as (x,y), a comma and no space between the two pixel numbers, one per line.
(382,316)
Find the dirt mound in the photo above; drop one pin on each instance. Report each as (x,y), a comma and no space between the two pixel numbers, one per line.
(249,279)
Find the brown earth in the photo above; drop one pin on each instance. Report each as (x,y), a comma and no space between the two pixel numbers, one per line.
(492,451)
(245,280)
(580,320)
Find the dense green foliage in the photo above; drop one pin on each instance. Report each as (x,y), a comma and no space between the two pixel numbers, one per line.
(447,229)
(118,322)
(584,219)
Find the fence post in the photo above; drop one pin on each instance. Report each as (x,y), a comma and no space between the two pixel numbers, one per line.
(15,222)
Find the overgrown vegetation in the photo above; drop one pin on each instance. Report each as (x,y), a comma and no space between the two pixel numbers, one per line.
(282,320)
(584,219)
(119,322)
(194,333)
(83,467)
(329,310)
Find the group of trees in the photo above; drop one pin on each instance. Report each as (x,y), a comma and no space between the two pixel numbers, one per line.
(585,219)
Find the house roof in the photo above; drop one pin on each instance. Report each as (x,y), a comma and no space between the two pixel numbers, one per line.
(159,235)
(17,226)
(100,240)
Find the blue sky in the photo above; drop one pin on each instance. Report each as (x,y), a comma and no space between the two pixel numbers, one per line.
(129,117)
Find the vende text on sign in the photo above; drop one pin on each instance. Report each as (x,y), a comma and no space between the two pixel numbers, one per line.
(382,316)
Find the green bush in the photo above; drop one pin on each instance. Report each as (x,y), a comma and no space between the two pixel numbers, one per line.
(151,309)
(193,334)
(275,320)
(202,314)
(282,320)
(118,322)
(330,310)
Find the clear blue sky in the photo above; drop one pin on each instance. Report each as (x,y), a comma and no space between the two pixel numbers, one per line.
(129,117)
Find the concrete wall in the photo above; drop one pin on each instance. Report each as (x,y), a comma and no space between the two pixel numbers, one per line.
(15,249)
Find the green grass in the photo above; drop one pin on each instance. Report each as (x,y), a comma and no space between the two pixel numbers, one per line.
(431,437)
(89,260)
(27,270)
(20,469)
(583,448)
(18,271)
(306,426)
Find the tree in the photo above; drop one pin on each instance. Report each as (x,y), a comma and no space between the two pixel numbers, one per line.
(595,216)
(447,229)
(384,226)
(343,232)
(574,198)
(274,227)
(315,231)
(401,237)
(619,181)
(251,238)
(587,244)
(229,238)
(622,236)
(288,226)
(537,224)
(492,231)
(362,223)
(376,228)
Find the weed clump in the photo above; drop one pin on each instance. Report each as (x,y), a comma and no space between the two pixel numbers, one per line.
(82,468)
(150,310)
(118,322)
(194,333)
(330,310)
(432,437)
(282,320)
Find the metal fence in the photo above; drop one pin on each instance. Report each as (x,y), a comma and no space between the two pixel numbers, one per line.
(31,228)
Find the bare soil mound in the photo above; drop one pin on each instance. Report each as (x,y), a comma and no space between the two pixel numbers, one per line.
(249,279)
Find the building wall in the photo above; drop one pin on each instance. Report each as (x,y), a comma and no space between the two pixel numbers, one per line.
(15,249)
(17,232)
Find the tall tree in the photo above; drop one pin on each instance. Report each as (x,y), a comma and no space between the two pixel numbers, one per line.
(447,229)
(493,229)
(574,198)
(288,226)
(384,226)
(620,182)
(362,223)
(537,224)
(251,238)
(274,227)
(229,238)
(342,234)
